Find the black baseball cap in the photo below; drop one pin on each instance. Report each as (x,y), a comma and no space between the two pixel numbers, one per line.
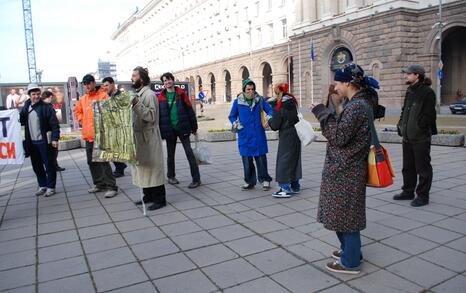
(88,79)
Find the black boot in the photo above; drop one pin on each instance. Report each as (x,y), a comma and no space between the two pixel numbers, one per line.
(419,202)
(157,205)
(146,200)
(403,196)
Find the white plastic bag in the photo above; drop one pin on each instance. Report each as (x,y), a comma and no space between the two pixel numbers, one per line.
(201,153)
(305,131)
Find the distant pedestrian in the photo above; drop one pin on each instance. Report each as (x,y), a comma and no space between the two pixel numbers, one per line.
(109,85)
(288,167)
(416,126)
(148,173)
(252,143)
(342,201)
(177,120)
(39,119)
(101,172)
(47,98)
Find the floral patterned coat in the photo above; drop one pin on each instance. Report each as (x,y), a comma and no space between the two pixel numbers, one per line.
(342,202)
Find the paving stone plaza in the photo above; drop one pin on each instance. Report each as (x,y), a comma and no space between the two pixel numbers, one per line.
(217,238)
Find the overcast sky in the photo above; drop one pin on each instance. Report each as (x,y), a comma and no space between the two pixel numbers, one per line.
(69,36)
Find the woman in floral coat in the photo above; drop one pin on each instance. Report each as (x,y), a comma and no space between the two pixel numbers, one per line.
(342,203)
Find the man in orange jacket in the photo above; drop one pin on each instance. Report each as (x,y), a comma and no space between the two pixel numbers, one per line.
(101,172)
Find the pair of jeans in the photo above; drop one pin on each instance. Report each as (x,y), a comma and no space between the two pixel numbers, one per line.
(101,172)
(351,247)
(293,185)
(250,170)
(416,162)
(43,163)
(171,148)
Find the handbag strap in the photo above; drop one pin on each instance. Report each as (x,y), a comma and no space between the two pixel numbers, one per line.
(374,138)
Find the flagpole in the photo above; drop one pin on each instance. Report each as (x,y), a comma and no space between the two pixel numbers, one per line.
(300,85)
(312,72)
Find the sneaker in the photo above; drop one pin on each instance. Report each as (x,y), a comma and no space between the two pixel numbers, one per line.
(265,185)
(336,267)
(41,191)
(110,193)
(337,255)
(403,196)
(50,192)
(173,180)
(95,189)
(419,202)
(247,186)
(194,184)
(295,191)
(282,193)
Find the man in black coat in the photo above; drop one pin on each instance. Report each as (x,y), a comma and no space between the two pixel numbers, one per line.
(42,133)
(416,126)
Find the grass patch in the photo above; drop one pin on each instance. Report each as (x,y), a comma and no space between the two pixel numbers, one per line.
(219,130)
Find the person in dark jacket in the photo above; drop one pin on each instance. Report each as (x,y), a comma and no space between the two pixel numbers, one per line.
(245,116)
(177,120)
(288,167)
(47,98)
(109,85)
(342,202)
(42,133)
(416,126)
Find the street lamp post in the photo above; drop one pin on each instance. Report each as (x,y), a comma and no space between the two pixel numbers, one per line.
(440,63)
(250,48)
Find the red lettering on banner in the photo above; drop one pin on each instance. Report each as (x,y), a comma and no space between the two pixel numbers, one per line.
(10,150)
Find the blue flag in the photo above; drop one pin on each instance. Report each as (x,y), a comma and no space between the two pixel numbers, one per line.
(312,51)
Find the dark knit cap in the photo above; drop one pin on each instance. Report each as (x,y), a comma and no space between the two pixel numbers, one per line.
(349,73)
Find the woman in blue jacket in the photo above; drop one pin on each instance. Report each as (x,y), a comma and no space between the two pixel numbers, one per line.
(245,115)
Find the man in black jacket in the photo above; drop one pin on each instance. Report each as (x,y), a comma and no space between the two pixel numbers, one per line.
(177,119)
(416,126)
(42,133)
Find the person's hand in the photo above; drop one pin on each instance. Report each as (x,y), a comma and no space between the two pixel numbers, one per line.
(266,124)
(55,144)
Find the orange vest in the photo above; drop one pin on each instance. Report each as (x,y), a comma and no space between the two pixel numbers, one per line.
(85,114)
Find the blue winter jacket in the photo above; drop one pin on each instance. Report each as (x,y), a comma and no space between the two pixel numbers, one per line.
(251,138)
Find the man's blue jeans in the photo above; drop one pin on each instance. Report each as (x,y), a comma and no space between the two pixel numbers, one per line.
(43,164)
(351,247)
(250,171)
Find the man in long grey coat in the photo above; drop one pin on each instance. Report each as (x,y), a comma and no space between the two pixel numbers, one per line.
(149,171)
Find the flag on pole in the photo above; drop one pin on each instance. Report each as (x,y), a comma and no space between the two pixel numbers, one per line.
(312,51)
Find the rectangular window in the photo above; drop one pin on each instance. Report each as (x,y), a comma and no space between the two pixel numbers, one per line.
(269,5)
(284,29)
(270,32)
(257,8)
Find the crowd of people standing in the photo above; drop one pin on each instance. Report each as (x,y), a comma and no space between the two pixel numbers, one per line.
(345,116)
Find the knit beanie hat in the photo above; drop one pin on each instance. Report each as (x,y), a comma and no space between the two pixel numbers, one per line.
(349,73)
(248,81)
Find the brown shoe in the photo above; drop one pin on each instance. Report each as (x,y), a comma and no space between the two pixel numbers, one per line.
(336,267)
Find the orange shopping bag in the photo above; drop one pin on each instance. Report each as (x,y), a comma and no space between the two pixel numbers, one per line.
(380,171)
